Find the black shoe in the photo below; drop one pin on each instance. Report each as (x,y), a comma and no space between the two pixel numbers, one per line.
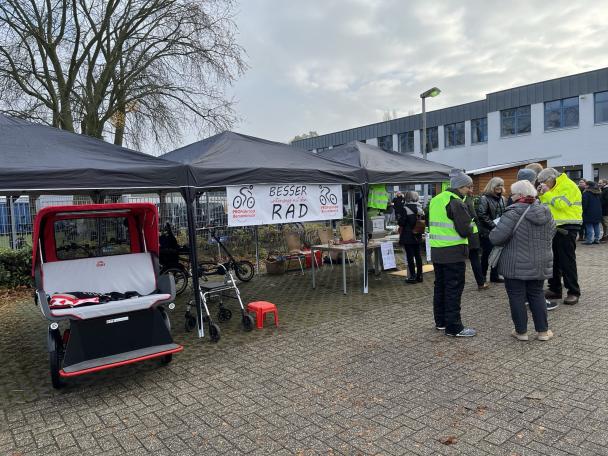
(419,279)
(551,305)
(411,280)
(497,280)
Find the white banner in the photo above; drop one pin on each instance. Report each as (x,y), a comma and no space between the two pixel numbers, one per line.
(285,203)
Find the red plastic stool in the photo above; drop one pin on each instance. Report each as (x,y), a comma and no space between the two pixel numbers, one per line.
(261,308)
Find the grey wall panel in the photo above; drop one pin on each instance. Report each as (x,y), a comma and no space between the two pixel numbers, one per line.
(555,89)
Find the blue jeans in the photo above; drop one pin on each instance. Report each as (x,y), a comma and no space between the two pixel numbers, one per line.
(593,232)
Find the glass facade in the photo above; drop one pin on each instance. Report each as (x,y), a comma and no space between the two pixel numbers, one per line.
(561,113)
(386,142)
(432,139)
(454,134)
(406,142)
(479,130)
(515,121)
(601,107)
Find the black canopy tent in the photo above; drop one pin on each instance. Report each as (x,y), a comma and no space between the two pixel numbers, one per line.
(40,159)
(384,167)
(37,159)
(230,158)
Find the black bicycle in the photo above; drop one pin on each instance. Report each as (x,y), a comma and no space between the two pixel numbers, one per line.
(243,269)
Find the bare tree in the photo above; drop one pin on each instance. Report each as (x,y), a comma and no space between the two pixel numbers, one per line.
(136,68)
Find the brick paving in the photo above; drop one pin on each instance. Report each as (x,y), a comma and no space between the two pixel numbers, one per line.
(342,375)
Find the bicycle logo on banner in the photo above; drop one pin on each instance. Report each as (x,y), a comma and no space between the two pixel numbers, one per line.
(244,198)
(327,196)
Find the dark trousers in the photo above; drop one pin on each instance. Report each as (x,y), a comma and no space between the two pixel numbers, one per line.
(520,291)
(476,266)
(449,283)
(486,248)
(564,263)
(412,253)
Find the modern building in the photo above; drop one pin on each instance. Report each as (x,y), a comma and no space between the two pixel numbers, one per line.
(564,118)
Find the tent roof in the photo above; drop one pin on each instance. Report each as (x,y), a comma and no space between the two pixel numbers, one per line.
(230,158)
(45,159)
(387,167)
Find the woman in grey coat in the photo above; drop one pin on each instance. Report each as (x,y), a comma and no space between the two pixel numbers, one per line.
(527,258)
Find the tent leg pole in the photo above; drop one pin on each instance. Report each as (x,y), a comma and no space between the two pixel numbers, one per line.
(11,206)
(257,249)
(190,196)
(364,189)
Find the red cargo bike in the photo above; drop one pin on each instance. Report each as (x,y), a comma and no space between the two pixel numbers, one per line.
(98,283)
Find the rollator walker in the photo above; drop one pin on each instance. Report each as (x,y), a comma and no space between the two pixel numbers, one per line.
(98,283)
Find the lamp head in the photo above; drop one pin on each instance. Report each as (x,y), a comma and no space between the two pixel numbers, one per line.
(431,93)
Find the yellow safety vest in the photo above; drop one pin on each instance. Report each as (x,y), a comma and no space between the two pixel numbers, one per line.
(377,197)
(564,201)
(442,232)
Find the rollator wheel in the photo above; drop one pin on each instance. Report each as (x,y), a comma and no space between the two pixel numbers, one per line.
(55,359)
(247,322)
(224,314)
(214,332)
(166,359)
(190,323)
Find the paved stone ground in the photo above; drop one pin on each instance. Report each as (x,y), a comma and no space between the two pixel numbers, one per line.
(341,375)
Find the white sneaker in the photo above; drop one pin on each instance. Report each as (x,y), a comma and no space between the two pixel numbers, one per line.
(523,337)
(544,336)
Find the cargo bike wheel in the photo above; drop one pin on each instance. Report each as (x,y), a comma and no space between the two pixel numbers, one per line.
(56,353)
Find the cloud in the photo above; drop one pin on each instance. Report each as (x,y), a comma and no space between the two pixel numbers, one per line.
(329,65)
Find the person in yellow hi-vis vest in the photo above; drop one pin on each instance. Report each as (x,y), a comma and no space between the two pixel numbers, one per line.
(449,230)
(377,198)
(563,197)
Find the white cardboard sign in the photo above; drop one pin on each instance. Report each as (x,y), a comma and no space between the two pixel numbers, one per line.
(284,203)
(388,255)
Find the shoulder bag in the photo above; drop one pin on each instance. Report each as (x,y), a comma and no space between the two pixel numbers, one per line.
(497,249)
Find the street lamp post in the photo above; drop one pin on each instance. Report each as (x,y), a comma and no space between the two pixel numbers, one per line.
(429,93)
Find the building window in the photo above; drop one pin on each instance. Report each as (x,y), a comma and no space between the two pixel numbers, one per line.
(364,141)
(479,130)
(406,142)
(432,139)
(601,107)
(561,113)
(454,134)
(515,121)
(386,143)
(321,149)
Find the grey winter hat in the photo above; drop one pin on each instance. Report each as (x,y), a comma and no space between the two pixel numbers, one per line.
(526,174)
(459,179)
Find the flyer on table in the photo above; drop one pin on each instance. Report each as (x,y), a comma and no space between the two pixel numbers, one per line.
(283,203)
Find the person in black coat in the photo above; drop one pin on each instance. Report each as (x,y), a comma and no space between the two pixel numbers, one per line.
(412,211)
(592,212)
(492,205)
(604,187)
(475,247)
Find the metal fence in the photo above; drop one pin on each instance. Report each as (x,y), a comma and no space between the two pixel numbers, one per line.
(17,215)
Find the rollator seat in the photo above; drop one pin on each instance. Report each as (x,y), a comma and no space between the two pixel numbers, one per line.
(118,273)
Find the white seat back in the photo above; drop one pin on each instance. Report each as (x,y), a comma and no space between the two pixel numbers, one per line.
(131,272)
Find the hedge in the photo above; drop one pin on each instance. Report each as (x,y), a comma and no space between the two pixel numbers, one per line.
(15,267)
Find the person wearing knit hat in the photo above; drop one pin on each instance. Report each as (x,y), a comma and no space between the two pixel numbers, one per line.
(526,174)
(449,229)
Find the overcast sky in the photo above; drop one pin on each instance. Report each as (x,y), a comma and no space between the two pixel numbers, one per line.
(329,65)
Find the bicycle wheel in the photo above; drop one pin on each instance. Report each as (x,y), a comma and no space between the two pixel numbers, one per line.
(244,270)
(180,277)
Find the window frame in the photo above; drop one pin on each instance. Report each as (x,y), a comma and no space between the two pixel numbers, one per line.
(486,130)
(428,131)
(447,132)
(391,140)
(516,117)
(595,94)
(562,125)
(410,135)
